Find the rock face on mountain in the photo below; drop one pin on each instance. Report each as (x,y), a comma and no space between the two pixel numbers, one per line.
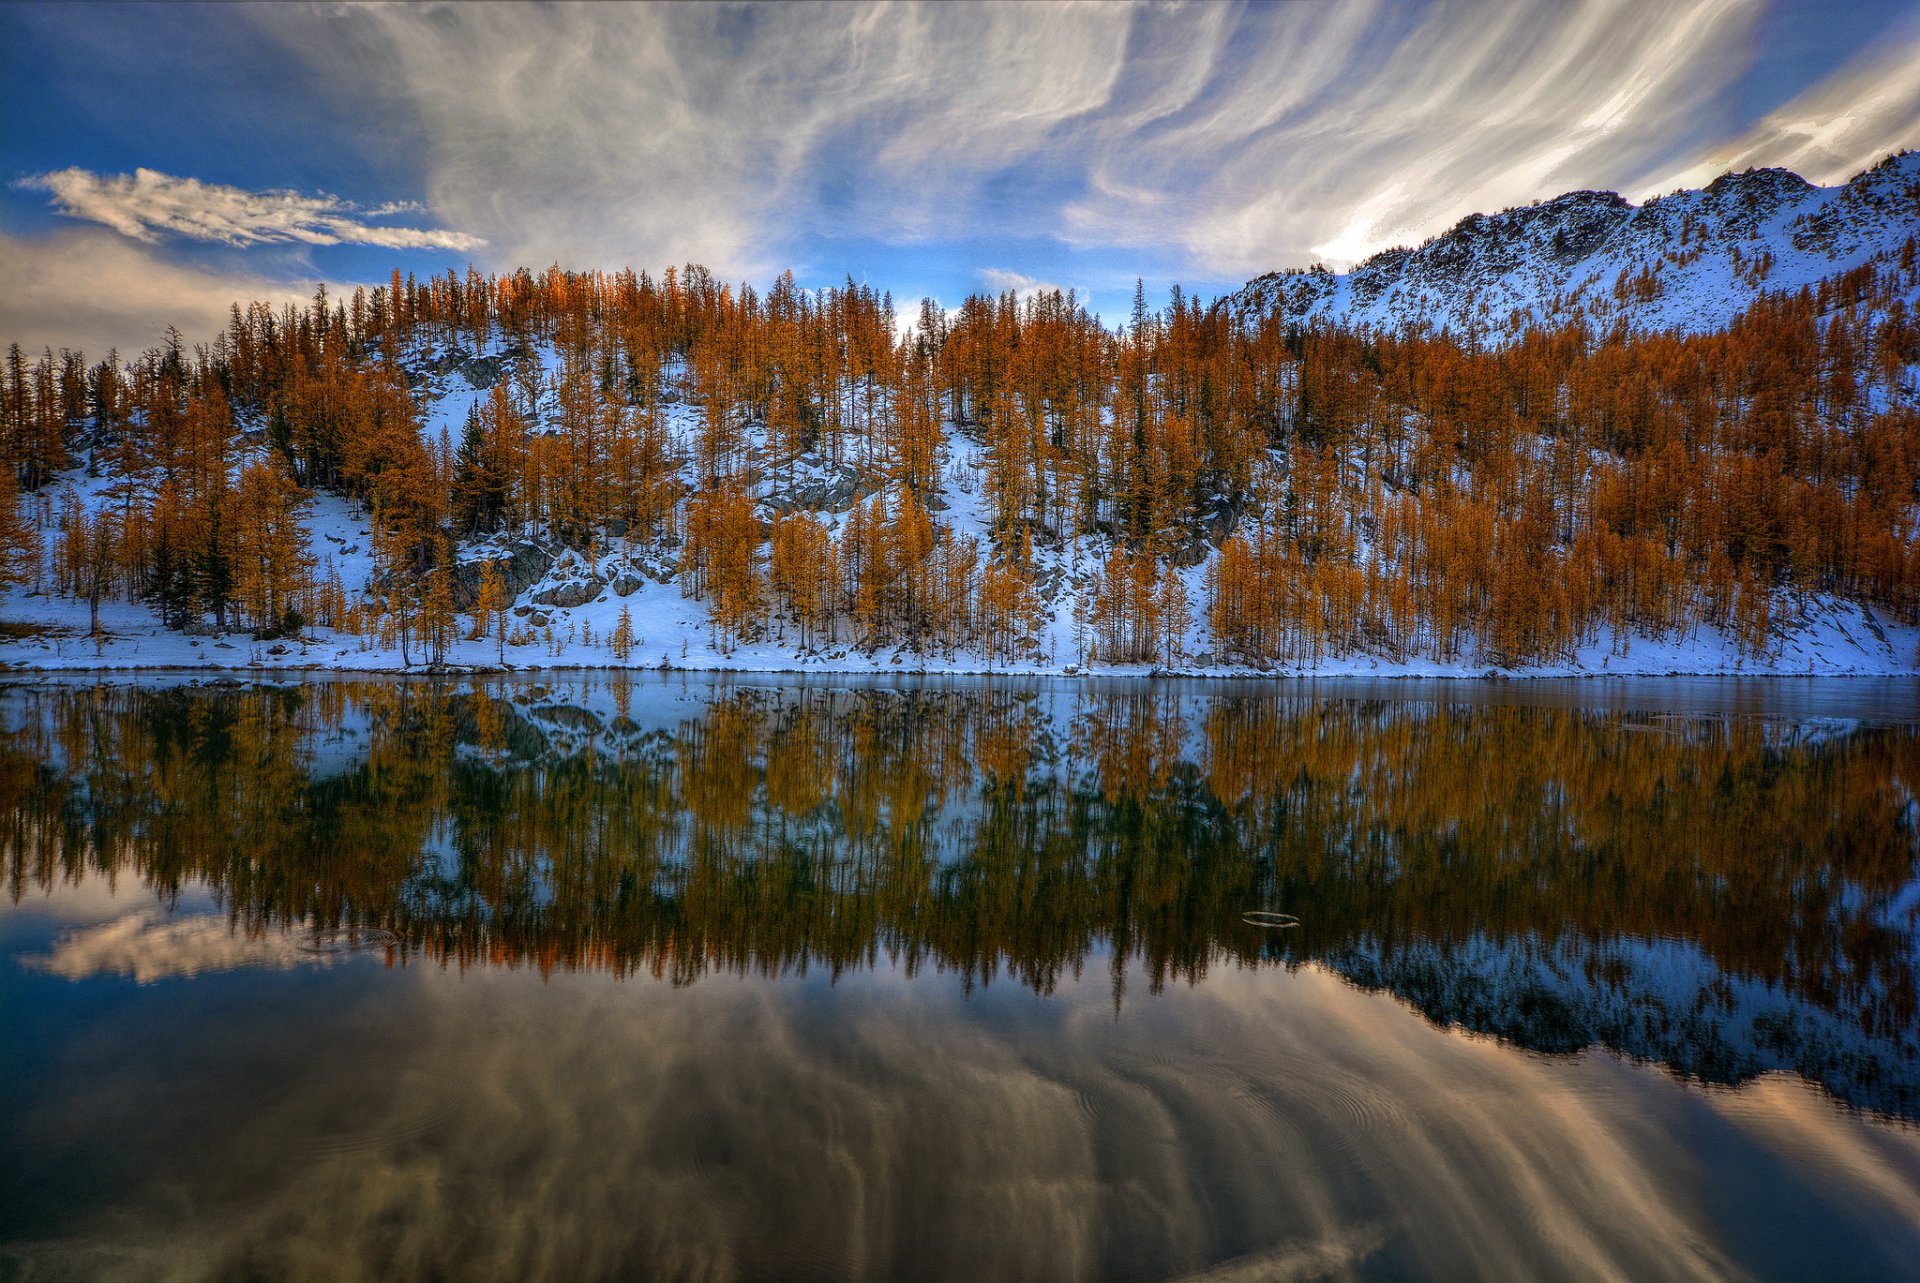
(1689,261)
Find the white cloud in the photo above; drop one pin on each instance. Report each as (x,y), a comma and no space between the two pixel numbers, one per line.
(147,203)
(90,290)
(1024,287)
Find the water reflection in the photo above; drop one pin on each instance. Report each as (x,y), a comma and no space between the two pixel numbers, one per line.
(502,1127)
(1727,891)
(964,980)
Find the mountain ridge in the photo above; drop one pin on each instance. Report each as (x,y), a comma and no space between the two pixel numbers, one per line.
(1690,260)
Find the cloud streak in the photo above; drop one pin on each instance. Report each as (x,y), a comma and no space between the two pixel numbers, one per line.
(149,946)
(1024,287)
(147,204)
(655,134)
(1832,131)
(1241,138)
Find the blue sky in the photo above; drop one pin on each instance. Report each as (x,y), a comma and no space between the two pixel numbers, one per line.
(164,159)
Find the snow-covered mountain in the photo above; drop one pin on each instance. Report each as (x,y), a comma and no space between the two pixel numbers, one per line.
(1690,260)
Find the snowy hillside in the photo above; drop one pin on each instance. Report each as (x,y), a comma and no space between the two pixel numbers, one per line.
(1687,261)
(567,605)
(589,470)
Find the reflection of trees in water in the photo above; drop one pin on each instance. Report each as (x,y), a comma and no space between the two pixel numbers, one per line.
(986,829)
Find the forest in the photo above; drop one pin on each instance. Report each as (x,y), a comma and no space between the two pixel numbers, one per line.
(1200,475)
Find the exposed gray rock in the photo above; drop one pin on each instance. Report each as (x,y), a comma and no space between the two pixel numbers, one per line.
(838,491)
(524,565)
(1191,553)
(1220,520)
(569,593)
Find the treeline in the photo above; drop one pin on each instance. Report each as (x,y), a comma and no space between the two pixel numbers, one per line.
(1401,494)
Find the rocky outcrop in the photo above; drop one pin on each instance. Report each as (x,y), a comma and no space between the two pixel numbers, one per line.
(521,566)
(478,372)
(570,592)
(836,490)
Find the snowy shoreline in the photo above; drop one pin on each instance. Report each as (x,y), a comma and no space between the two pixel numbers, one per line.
(309,659)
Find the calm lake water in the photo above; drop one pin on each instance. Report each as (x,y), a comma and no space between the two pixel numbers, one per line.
(589,977)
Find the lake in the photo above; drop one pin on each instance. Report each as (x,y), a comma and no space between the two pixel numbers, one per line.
(585,976)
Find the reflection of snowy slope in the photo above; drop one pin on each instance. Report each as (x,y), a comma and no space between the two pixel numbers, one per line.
(1657,1000)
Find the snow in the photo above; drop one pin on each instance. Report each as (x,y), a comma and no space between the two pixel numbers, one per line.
(1661,1000)
(1826,637)
(1490,275)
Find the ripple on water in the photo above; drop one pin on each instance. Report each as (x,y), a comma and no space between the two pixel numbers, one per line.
(1270,920)
(416,1107)
(1362,1108)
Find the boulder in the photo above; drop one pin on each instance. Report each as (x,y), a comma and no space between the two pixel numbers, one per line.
(569,593)
(837,491)
(523,565)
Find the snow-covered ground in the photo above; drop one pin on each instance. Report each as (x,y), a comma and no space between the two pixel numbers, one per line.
(1821,636)
(1826,638)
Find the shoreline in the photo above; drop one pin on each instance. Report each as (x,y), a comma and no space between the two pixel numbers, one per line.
(10,670)
(1825,639)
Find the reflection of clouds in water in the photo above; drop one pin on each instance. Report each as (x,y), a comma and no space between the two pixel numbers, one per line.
(88,896)
(1796,1121)
(148,945)
(1263,1125)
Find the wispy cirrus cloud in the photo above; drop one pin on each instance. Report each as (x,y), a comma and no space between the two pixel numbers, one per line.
(615,134)
(148,204)
(1831,131)
(1237,137)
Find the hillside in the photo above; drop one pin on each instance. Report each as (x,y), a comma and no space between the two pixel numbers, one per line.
(594,469)
(1689,260)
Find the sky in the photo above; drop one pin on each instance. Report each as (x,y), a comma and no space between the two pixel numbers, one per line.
(162,161)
